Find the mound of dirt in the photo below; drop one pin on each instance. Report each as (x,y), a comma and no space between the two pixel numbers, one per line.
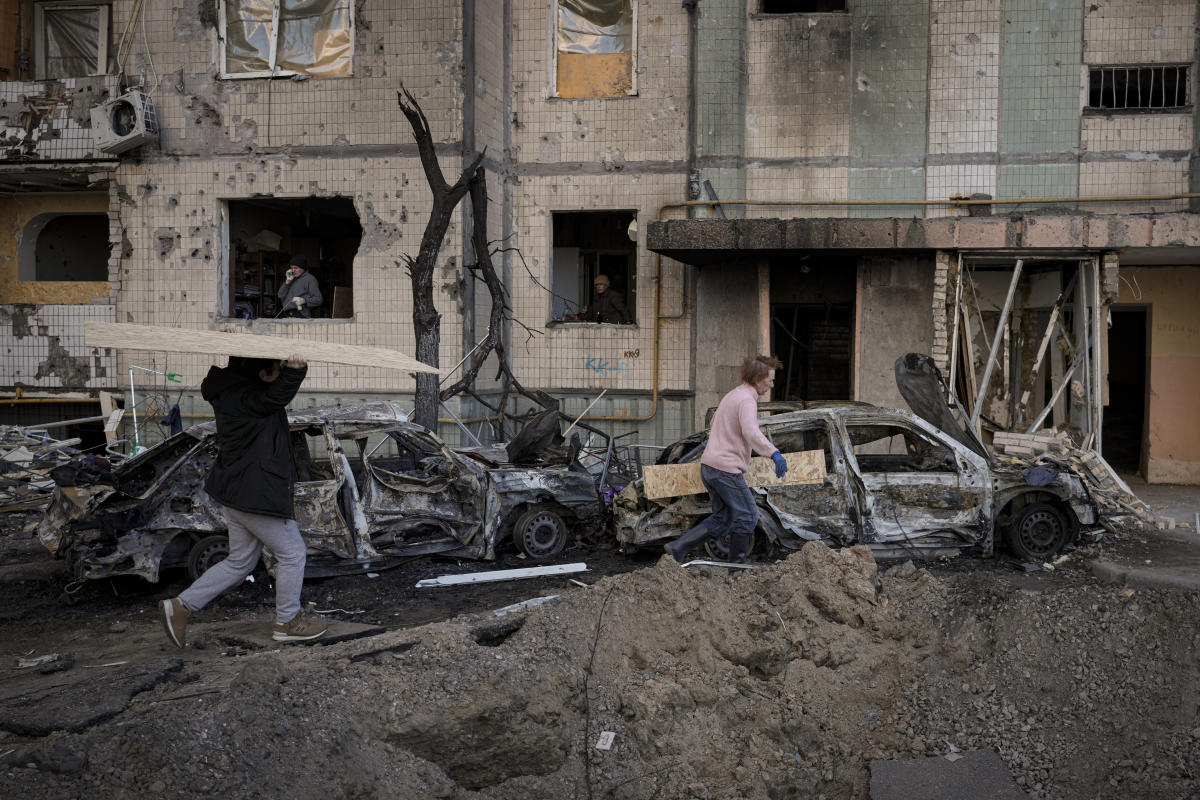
(780,682)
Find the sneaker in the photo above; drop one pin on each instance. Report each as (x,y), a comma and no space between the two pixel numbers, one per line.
(174,619)
(298,630)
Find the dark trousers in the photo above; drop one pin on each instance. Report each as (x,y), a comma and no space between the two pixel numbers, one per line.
(733,505)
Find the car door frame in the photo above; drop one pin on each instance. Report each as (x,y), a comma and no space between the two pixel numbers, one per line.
(970,483)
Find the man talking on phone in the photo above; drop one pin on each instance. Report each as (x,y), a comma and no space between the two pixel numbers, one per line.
(299,293)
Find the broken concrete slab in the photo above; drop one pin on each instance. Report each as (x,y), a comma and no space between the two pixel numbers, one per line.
(979,774)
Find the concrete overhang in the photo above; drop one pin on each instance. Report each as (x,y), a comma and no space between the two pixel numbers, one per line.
(1165,238)
(58,176)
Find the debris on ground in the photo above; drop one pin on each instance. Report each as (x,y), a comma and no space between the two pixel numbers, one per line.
(786,681)
(26,459)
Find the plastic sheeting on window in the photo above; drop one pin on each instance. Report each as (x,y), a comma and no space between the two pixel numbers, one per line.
(314,37)
(595,26)
(248,35)
(72,42)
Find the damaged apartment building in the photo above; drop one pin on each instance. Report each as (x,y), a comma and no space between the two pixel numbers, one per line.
(1007,185)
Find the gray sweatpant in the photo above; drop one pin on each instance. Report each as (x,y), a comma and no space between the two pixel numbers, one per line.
(248,533)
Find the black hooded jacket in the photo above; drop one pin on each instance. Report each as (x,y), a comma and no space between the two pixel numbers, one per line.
(253,471)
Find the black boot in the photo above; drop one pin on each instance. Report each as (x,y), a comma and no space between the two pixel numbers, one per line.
(692,539)
(739,545)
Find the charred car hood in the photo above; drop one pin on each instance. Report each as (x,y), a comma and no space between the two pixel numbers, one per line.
(921,385)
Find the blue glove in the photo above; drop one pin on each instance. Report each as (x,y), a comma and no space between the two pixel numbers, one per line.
(780,464)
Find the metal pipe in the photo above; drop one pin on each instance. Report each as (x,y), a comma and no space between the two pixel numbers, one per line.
(1001,326)
(461,426)
(137,445)
(1066,380)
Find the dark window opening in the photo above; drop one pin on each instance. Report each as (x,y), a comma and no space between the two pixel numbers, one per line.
(890,448)
(798,440)
(589,244)
(64,247)
(1138,87)
(802,6)
(265,233)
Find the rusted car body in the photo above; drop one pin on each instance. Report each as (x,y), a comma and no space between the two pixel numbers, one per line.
(371,489)
(893,481)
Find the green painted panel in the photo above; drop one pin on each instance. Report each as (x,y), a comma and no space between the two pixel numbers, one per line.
(890,56)
(887,184)
(1037,180)
(721,78)
(1039,103)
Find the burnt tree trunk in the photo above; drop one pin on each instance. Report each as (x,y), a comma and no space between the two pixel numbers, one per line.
(426,319)
(484,270)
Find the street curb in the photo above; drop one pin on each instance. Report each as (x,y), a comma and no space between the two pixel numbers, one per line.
(1126,575)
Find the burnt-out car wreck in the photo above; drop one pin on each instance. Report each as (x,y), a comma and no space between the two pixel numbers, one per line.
(906,485)
(371,489)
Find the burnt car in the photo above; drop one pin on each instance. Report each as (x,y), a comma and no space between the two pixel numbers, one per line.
(893,481)
(371,489)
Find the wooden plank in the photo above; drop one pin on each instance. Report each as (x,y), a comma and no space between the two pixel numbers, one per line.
(114,414)
(676,480)
(112,424)
(128,336)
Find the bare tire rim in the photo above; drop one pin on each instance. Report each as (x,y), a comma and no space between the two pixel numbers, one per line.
(1041,532)
(542,534)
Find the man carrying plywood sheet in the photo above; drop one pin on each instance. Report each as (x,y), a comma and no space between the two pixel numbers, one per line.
(251,478)
(733,435)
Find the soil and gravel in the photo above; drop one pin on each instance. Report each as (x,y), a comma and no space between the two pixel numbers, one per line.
(784,681)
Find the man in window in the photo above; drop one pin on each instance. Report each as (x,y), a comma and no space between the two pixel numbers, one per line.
(299,293)
(607,305)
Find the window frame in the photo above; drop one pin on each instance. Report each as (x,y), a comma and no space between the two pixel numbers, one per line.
(587,273)
(275,71)
(1089,69)
(39,34)
(632,91)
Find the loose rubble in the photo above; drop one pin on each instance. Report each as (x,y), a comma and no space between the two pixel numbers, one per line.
(780,682)
(25,463)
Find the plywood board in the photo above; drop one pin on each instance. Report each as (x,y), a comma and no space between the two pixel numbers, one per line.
(129,336)
(676,480)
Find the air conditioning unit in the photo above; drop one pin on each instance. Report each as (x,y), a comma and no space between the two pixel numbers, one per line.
(124,122)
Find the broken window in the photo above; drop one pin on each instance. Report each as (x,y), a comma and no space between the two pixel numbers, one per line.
(266,233)
(891,448)
(587,245)
(64,247)
(267,38)
(595,47)
(1138,88)
(802,6)
(72,39)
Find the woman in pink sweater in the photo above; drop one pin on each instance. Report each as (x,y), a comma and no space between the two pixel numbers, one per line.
(732,437)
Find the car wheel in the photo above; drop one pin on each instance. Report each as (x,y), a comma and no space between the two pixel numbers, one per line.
(205,553)
(1037,532)
(540,533)
(718,549)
